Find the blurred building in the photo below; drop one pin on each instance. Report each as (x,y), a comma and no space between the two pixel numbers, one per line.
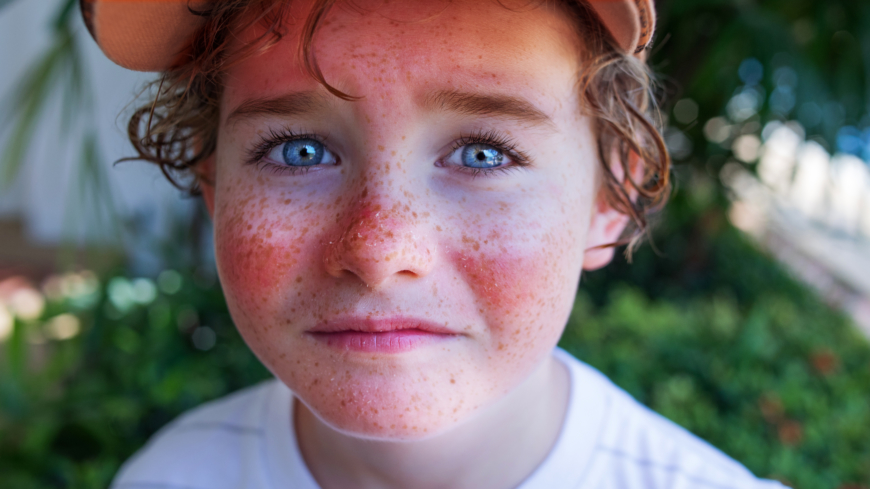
(811,209)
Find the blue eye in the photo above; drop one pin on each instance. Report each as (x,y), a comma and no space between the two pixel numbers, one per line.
(484,153)
(481,156)
(302,152)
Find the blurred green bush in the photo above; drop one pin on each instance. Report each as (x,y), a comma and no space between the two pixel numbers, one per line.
(711,332)
(751,362)
(72,410)
(780,385)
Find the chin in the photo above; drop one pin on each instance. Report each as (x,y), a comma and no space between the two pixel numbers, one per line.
(388,428)
(397,406)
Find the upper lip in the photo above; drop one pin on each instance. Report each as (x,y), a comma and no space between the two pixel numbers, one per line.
(379,325)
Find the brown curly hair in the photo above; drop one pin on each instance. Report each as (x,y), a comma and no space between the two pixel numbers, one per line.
(177,128)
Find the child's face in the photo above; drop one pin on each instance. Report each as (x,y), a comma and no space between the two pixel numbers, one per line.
(318,266)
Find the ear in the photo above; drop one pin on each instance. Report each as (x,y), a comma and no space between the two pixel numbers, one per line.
(607,224)
(605,227)
(206,175)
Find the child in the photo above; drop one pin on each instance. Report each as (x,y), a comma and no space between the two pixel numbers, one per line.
(404,195)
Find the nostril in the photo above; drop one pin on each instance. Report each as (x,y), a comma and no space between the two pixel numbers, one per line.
(375,245)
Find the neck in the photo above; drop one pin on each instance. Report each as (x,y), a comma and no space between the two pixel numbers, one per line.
(497,448)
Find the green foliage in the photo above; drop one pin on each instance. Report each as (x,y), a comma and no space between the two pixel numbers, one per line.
(716,336)
(802,61)
(71,411)
(779,385)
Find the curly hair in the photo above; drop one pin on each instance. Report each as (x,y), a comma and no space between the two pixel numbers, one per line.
(177,128)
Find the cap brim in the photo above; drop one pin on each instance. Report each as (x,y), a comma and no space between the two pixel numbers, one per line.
(630,22)
(143,35)
(154,35)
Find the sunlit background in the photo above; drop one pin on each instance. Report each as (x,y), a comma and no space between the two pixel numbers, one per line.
(745,319)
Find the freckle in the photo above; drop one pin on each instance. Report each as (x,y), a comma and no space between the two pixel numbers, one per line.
(381,148)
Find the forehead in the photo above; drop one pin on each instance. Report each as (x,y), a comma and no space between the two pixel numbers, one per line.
(417,46)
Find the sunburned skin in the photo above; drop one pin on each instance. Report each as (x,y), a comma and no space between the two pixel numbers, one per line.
(397,233)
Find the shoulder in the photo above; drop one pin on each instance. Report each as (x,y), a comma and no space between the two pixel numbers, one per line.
(639,448)
(214,446)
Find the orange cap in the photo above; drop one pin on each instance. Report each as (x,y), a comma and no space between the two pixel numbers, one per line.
(151,35)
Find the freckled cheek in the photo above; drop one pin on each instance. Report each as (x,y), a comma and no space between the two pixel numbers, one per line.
(256,259)
(524,286)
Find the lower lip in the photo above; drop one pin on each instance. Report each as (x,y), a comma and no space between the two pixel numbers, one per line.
(382,342)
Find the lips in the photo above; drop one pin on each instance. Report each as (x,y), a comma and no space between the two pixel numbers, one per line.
(380,335)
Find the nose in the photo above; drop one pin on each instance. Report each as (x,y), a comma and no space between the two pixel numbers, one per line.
(378,241)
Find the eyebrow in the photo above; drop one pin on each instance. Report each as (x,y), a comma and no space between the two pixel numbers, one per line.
(488,105)
(290,104)
(467,103)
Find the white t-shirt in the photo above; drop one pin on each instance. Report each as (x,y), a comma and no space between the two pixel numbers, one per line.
(608,441)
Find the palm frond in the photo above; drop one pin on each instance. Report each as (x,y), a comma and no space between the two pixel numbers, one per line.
(5,3)
(29,99)
(59,76)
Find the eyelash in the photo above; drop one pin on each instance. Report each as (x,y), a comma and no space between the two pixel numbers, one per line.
(498,141)
(257,154)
